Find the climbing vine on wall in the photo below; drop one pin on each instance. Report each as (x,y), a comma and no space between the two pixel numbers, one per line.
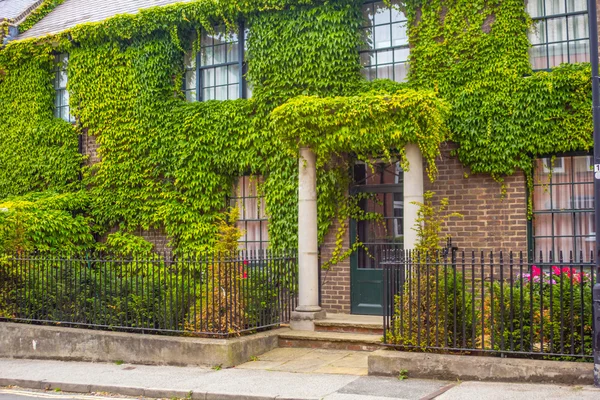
(171,164)
(475,53)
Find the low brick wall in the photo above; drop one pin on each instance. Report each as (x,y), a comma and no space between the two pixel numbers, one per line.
(479,368)
(71,344)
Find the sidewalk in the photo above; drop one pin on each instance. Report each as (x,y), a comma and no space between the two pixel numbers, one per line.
(259,382)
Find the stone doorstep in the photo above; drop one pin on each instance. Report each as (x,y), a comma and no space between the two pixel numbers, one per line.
(472,368)
(348,323)
(330,340)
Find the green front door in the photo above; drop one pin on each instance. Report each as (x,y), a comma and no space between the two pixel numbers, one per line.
(382,186)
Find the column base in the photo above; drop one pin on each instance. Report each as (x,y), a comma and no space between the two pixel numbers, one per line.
(305,321)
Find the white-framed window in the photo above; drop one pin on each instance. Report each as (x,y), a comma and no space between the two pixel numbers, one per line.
(253,220)
(560,33)
(385,52)
(216,72)
(61,99)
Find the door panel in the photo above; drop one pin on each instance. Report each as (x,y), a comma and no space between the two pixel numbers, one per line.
(383,190)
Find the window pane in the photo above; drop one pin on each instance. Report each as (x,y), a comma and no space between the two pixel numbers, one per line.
(234,92)
(561,197)
(233,72)
(206,56)
(397,15)
(541,198)
(208,94)
(385,72)
(399,36)
(557,53)
(537,34)
(189,60)
(557,29)
(190,80)
(584,224)
(542,225)
(220,54)
(555,7)
(582,169)
(576,5)
(401,55)
(535,8)
(401,72)
(233,52)
(208,77)
(367,59)
(538,57)
(579,51)
(543,245)
(383,37)
(221,93)
(578,27)
(385,57)
(382,13)
(221,76)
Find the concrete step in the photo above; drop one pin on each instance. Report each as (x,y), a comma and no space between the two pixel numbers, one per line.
(331,340)
(366,324)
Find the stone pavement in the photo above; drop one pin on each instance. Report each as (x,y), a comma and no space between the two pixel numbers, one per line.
(316,361)
(297,378)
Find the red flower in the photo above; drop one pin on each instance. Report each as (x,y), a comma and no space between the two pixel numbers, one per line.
(535,271)
(245,275)
(245,262)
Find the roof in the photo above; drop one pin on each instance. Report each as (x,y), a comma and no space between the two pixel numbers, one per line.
(17,9)
(75,12)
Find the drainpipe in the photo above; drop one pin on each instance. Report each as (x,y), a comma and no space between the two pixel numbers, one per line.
(593,22)
(308,309)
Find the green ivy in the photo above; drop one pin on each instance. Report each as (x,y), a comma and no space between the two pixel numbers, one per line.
(170,164)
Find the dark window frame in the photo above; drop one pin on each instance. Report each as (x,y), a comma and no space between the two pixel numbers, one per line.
(572,210)
(373,53)
(200,70)
(238,199)
(546,44)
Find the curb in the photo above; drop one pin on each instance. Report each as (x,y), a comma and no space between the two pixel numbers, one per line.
(473,368)
(133,391)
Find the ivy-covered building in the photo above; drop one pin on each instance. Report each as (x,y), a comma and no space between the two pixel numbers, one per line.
(136,123)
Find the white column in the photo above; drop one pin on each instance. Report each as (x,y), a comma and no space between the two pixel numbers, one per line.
(413,191)
(308,252)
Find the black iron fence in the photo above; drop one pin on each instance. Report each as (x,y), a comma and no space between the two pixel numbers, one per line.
(476,302)
(208,295)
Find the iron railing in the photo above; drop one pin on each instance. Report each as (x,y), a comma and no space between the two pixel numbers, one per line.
(476,302)
(205,295)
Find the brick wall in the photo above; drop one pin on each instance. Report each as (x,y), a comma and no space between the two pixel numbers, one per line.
(335,282)
(490,222)
(89,147)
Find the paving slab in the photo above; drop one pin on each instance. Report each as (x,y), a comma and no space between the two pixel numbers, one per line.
(408,389)
(318,361)
(518,391)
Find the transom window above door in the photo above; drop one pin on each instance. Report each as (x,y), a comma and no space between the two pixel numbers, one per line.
(385,51)
(216,71)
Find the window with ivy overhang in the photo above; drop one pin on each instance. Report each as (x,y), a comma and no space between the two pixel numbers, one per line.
(252,220)
(216,71)
(61,98)
(560,33)
(385,51)
(563,206)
